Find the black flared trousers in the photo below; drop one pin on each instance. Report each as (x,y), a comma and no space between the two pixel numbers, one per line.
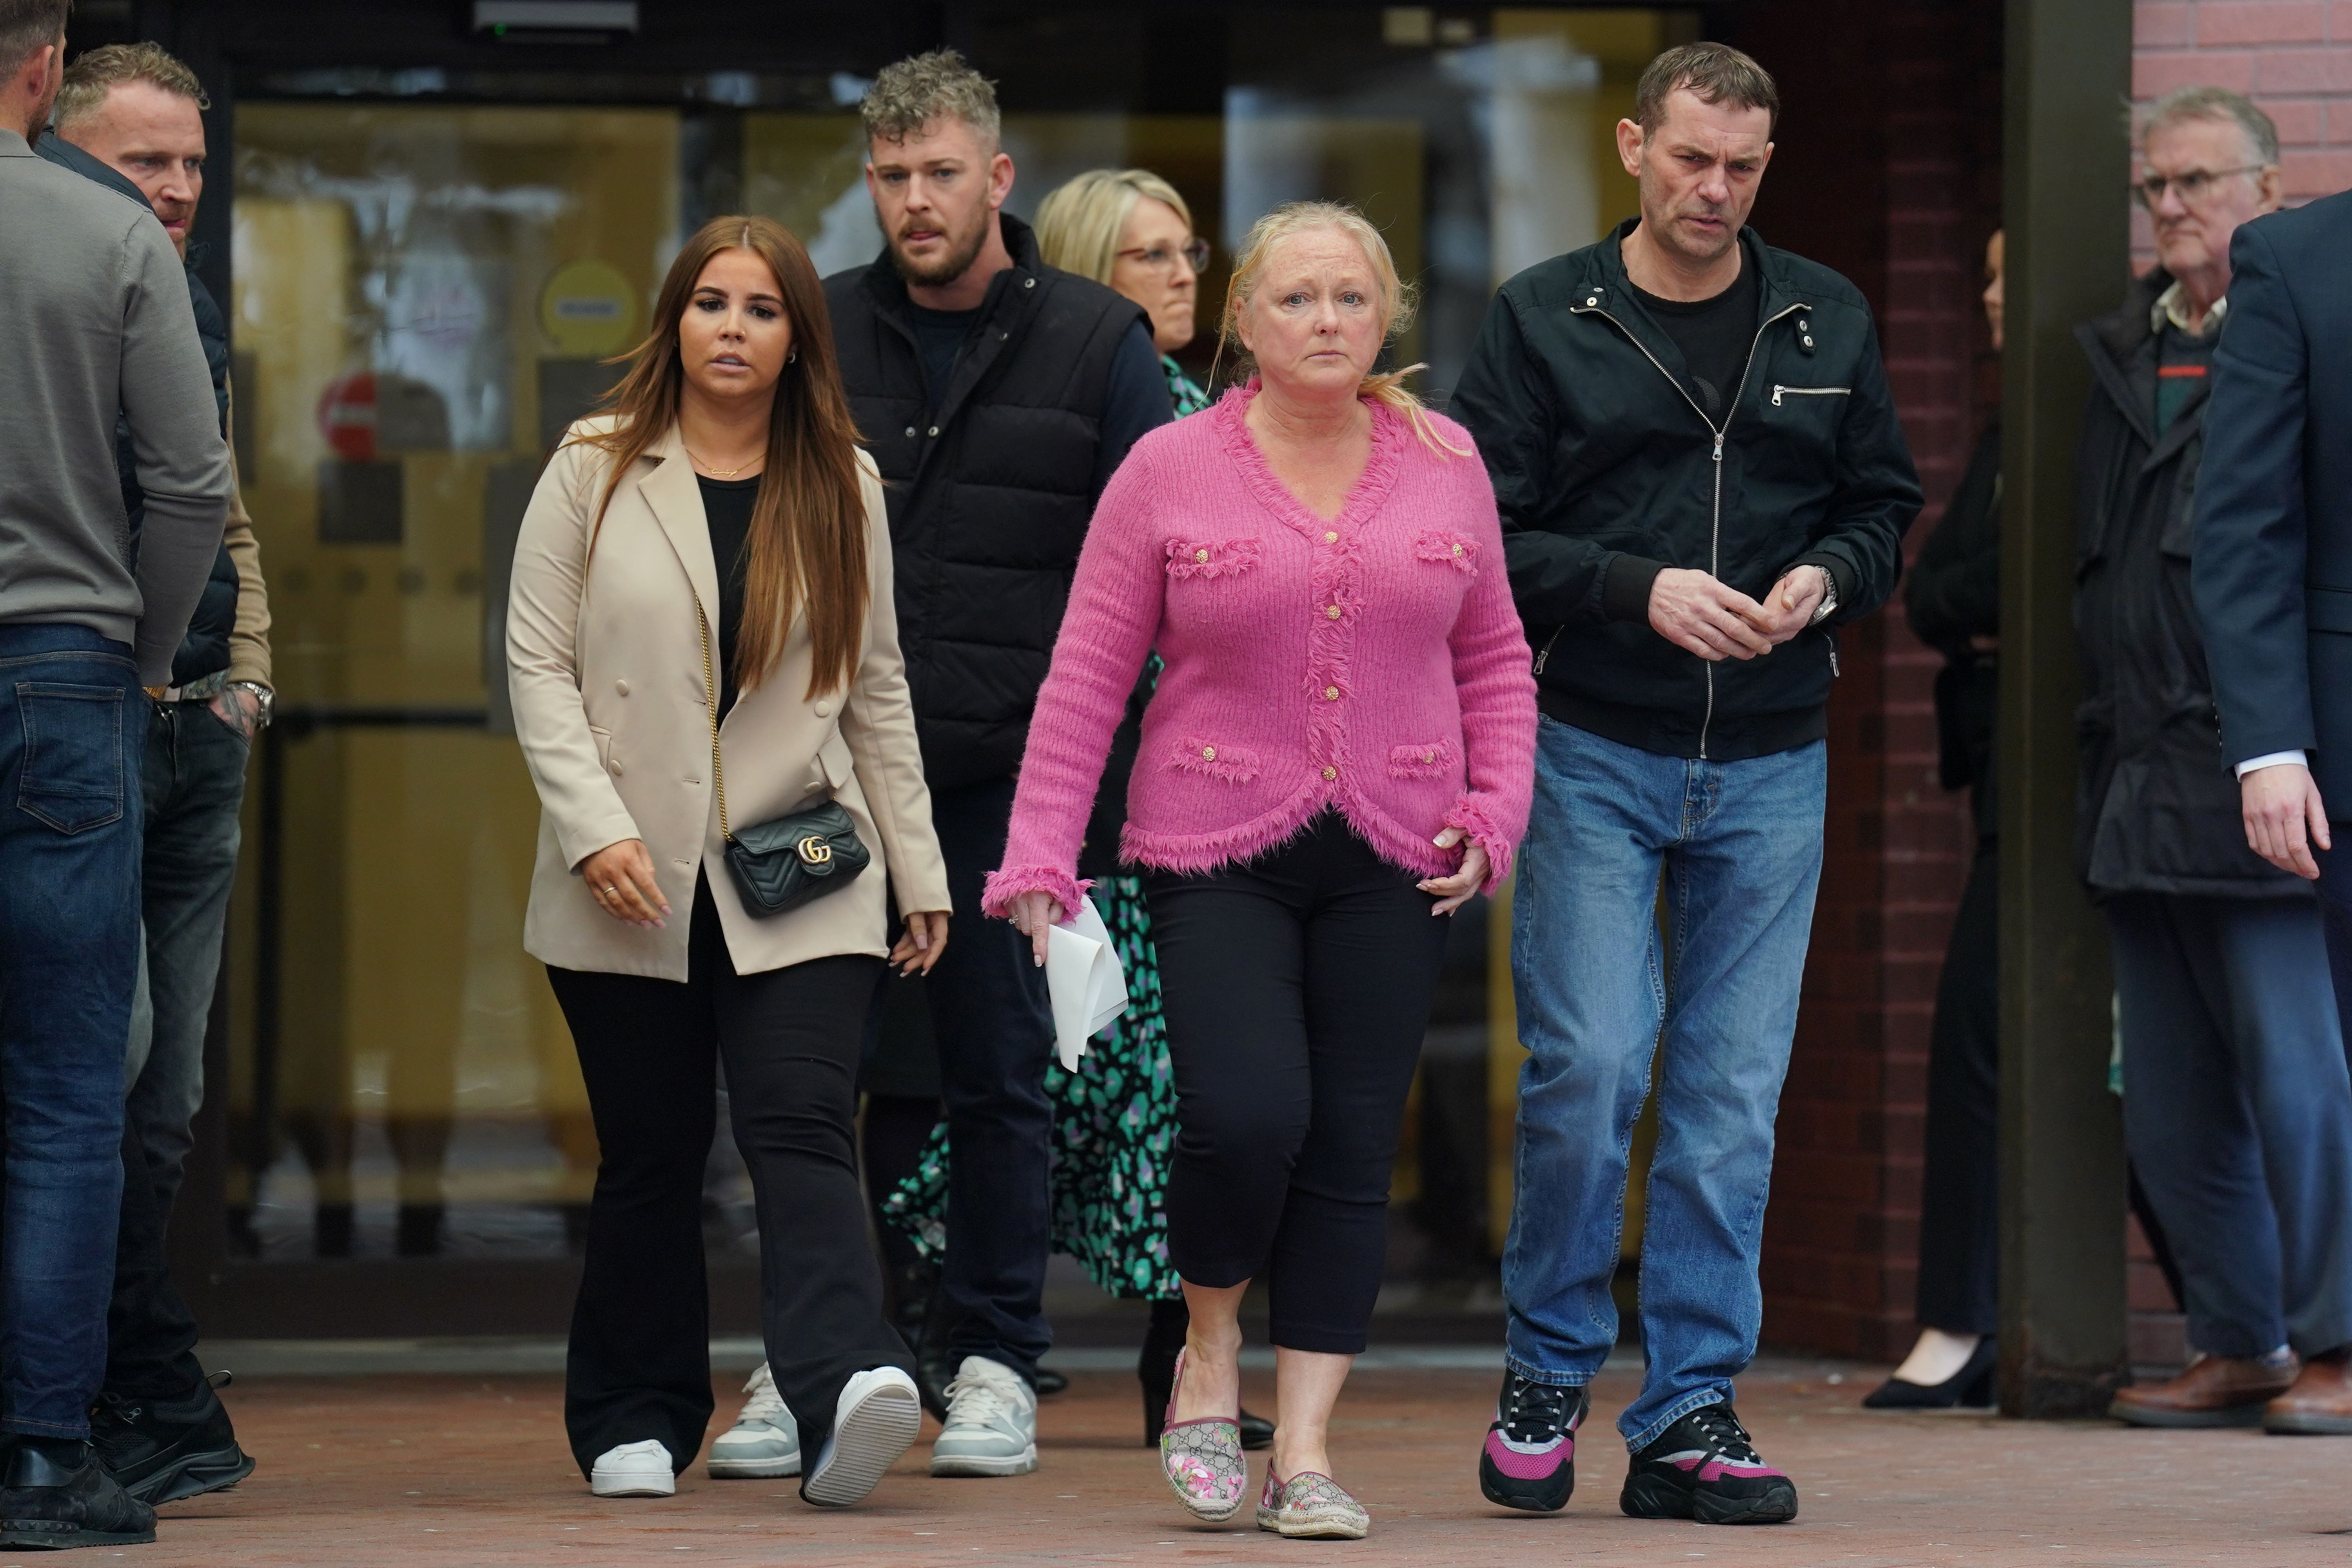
(639,1365)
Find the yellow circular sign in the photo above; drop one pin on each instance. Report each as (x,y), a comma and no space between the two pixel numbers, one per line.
(588,308)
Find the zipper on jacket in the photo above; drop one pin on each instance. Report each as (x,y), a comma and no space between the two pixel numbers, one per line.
(1715,521)
(1809,391)
(1543,654)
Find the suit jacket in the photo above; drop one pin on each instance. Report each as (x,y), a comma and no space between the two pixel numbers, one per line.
(2273,544)
(606,668)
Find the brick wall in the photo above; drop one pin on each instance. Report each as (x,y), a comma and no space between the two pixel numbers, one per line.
(1903,205)
(2291,57)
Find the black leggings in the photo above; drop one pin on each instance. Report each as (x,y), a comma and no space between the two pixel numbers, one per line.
(1296,989)
(640,1359)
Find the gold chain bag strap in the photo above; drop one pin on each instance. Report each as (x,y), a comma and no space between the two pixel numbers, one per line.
(783,863)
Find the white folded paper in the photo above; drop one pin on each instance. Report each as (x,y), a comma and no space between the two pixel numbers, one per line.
(1084,978)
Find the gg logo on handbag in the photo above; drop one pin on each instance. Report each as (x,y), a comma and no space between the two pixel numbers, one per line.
(780,864)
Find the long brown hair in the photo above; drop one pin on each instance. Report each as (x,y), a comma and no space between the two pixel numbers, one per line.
(806,548)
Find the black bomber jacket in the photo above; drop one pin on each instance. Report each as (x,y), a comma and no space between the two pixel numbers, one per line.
(1606,470)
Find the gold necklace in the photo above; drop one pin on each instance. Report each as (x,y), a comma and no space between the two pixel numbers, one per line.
(715,473)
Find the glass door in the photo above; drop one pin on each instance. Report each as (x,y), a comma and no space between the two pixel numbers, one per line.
(424,297)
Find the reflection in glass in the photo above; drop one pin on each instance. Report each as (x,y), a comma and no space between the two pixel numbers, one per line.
(422,298)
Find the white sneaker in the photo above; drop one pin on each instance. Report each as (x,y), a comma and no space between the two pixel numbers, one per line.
(633,1469)
(764,1442)
(878,1420)
(991,1428)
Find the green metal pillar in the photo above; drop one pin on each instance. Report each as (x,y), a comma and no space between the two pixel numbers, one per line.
(2064,166)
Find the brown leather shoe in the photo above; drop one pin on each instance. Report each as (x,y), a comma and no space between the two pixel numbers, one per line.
(2218,1391)
(2320,1402)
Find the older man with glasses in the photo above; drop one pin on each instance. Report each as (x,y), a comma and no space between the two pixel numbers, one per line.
(2237,1104)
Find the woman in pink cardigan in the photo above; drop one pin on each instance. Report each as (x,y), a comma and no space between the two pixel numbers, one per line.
(1338,750)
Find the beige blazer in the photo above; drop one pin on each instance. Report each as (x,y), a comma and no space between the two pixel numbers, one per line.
(605,661)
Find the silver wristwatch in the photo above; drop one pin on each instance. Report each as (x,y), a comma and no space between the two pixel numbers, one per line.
(1828,607)
(261,694)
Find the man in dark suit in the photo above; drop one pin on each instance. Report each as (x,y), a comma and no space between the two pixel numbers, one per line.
(2273,588)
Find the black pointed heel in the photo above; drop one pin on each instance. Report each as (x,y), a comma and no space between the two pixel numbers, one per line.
(1971,1387)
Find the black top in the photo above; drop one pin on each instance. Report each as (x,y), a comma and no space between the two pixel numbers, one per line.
(1714,335)
(939,334)
(1953,595)
(727,505)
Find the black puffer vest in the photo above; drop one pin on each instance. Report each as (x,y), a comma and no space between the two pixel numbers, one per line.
(990,494)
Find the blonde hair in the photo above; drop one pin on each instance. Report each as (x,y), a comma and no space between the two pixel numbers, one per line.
(96,72)
(1396,303)
(912,95)
(1080,222)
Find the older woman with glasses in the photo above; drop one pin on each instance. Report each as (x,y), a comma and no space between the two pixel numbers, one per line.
(1115,1117)
(1130,229)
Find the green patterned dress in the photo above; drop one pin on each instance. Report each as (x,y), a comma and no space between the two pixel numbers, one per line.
(1114,1119)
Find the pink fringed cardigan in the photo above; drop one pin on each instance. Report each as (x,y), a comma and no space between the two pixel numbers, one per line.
(1372,662)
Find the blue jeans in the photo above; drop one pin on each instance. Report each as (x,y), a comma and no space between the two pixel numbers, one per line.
(2238,1113)
(1740,847)
(70,835)
(995,1032)
(194,773)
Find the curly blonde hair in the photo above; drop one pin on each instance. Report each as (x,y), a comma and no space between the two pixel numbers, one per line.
(1396,298)
(923,89)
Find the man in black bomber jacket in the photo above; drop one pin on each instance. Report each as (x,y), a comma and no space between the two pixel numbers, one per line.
(1700,476)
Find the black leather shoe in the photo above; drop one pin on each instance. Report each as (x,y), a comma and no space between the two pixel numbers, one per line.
(57,1495)
(1051,1383)
(162,1450)
(1972,1386)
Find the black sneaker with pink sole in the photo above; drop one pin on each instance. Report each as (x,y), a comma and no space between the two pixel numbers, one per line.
(1529,1460)
(1704,1468)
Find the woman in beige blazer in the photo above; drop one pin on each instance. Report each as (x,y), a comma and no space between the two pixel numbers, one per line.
(718,526)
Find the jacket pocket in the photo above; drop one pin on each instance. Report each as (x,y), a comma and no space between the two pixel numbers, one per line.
(1779,391)
(1449,550)
(603,739)
(72,776)
(1211,559)
(1430,760)
(1193,754)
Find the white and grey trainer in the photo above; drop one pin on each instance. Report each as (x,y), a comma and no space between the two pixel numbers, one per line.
(764,1442)
(878,1418)
(992,1426)
(633,1469)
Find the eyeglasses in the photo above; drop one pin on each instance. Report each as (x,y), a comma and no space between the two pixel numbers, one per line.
(2194,186)
(1194,254)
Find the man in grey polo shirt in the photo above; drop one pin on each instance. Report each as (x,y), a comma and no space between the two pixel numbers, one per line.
(98,324)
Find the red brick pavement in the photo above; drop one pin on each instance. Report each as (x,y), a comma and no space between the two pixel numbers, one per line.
(472,1471)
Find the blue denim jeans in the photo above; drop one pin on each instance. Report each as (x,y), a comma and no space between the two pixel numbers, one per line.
(194,773)
(70,835)
(1604,991)
(2238,1113)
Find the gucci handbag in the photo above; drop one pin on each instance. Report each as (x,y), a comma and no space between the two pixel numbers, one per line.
(787,861)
